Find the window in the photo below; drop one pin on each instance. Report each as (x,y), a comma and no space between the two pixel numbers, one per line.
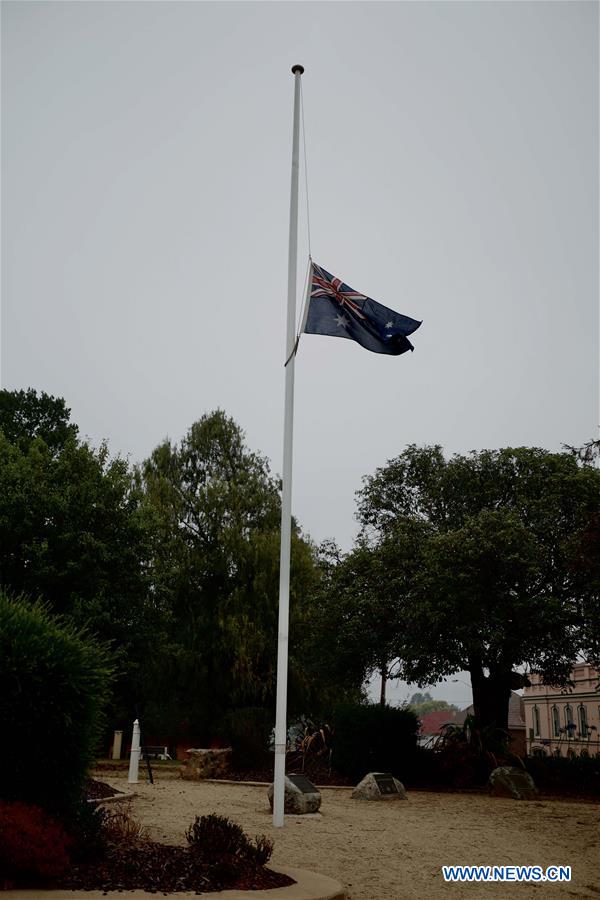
(555,722)
(569,721)
(536,721)
(583,728)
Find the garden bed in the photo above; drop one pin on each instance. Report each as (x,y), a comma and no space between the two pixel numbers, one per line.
(163,868)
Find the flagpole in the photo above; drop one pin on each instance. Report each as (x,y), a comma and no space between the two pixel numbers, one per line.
(286,494)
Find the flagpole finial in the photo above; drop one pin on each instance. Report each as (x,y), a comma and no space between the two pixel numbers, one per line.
(297,68)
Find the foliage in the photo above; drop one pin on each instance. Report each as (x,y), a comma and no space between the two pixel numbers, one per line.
(72,533)
(248,731)
(120,827)
(68,529)
(575,775)
(467,753)
(477,563)
(331,671)
(214,567)
(34,847)
(426,770)
(55,682)
(25,415)
(359,614)
(428,706)
(373,738)
(312,746)
(418,698)
(84,823)
(218,841)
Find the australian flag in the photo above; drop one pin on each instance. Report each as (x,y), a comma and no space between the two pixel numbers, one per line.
(335,309)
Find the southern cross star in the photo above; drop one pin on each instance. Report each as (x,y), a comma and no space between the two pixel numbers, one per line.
(389,324)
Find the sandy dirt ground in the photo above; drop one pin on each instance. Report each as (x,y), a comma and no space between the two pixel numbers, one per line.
(395,850)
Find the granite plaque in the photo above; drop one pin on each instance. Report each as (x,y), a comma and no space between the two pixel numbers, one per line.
(303,784)
(385,783)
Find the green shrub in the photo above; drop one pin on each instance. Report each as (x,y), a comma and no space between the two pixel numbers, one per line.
(55,681)
(466,755)
(372,738)
(223,845)
(248,731)
(34,848)
(85,823)
(426,770)
(575,775)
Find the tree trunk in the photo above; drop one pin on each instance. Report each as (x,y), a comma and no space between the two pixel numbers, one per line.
(384,674)
(491,697)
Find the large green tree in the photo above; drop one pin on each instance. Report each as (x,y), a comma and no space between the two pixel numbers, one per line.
(500,581)
(359,614)
(71,530)
(214,568)
(25,415)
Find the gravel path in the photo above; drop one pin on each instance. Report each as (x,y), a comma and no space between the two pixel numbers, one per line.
(395,850)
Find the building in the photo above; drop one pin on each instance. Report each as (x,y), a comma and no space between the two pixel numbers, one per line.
(564,721)
(516,723)
(433,722)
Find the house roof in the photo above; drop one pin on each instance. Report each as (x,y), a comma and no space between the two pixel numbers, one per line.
(516,711)
(431,722)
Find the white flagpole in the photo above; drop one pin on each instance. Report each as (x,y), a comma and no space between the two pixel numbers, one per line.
(286,498)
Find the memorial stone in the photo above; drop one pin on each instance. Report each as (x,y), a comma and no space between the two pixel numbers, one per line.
(509,781)
(379,786)
(300,796)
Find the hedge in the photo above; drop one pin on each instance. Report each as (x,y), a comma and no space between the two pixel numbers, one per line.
(55,682)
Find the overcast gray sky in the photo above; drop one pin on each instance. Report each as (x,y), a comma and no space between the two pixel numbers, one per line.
(453,175)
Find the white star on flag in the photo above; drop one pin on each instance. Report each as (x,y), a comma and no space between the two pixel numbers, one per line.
(342,321)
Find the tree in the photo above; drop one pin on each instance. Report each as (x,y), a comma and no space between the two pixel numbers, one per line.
(496,589)
(427,705)
(71,531)
(418,698)
(214,568)
(361,607)
(25,415)
(55,683)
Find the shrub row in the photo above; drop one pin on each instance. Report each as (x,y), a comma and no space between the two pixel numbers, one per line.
(369,738)
(574,776)
(55,682)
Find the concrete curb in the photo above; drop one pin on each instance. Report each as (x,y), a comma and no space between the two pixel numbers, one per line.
(114,799)
(266,784)
(156,772)
(309,886)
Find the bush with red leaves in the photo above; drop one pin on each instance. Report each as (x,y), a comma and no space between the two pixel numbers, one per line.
(33,846)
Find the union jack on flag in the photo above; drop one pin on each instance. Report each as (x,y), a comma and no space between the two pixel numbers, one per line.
(337,310)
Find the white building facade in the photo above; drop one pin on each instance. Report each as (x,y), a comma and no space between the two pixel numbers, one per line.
(564,721)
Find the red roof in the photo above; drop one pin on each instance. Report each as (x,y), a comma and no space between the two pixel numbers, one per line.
(431,722)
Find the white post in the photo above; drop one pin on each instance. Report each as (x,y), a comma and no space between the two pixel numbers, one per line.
(286,498)
(134,759)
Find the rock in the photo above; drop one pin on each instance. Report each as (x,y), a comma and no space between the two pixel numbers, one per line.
(298,802)
(509,781)
(379,786)
(206,764)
